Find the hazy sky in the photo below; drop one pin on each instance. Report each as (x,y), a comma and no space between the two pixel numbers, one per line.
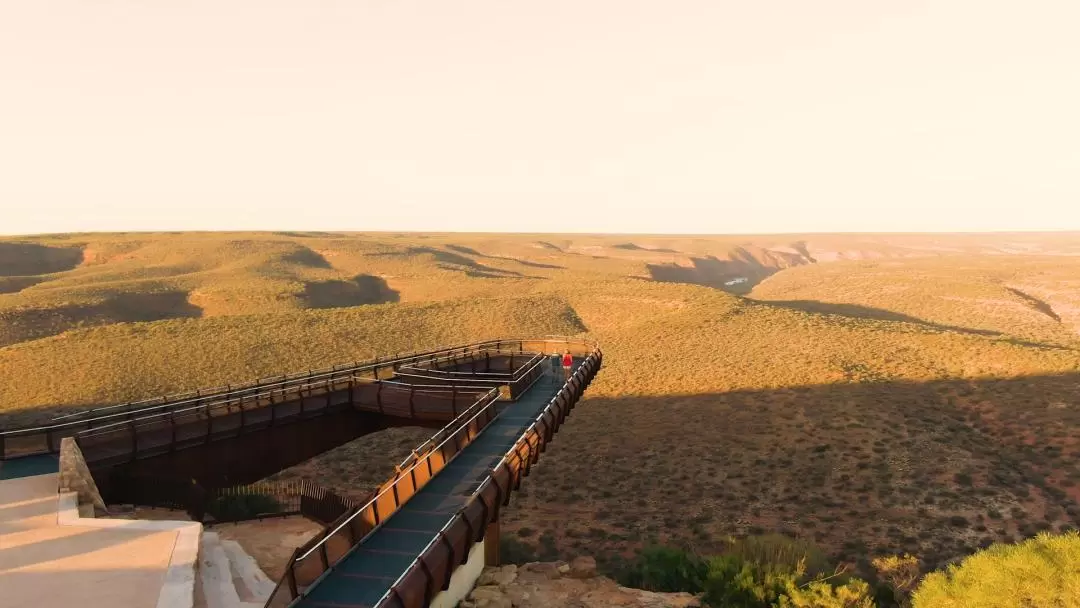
(710,116)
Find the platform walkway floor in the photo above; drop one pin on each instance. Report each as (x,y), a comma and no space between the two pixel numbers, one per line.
(366,574)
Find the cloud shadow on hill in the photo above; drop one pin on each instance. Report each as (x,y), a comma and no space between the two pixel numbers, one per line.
(1036,303)
(33,323)
(17,284)
(710,271)
(473,252)
(359,290)
(636,247)
(449,260)
(307,257)
(29,259)
(864,469)
(856,311)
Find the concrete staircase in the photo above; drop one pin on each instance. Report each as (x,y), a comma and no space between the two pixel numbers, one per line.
(229,577)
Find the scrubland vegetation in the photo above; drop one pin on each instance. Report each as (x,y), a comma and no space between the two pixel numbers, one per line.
(777,572)
(873,396)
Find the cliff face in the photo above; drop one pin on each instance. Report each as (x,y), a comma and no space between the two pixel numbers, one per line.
(559,584)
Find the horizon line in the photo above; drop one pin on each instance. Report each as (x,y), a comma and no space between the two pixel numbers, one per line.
(570,233)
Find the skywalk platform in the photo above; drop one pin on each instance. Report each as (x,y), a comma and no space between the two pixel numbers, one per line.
(366,575)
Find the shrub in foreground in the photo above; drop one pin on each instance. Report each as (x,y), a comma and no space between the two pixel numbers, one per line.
(666,569)
(1041,572)
(767,572)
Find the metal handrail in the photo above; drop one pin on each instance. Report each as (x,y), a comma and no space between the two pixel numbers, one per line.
(415,454)
(199,395)
(361,509)
(438,373)
(244,390)
(479,490)
(539,360)
(227,402)
(297,557)
(401,474)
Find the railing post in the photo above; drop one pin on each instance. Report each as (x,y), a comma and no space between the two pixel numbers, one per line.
(323,557)
(451,563)
(210,424)
(429,578)
(290,574)
(243,416)
(134,440)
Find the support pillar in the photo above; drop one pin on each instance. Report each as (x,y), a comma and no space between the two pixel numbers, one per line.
(491,544)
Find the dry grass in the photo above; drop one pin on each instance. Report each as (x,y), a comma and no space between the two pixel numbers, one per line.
(914,395)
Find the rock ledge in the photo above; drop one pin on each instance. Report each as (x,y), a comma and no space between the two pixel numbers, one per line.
(557,584)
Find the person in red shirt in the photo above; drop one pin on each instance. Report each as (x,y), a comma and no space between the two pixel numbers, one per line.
(567,363)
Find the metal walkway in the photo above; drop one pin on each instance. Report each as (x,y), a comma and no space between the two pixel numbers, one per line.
(366,575)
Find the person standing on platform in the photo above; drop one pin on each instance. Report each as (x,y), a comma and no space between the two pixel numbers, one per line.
(567,364)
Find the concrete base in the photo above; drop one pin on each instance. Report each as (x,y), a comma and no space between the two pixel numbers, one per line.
(254,580)
(178,588)
(228,576)
(463,580)
(75,475)
(51,556)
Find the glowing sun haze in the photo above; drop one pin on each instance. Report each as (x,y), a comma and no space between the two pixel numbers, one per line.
(558,116)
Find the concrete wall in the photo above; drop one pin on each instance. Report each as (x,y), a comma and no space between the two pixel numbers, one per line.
(75,476)
(178,588)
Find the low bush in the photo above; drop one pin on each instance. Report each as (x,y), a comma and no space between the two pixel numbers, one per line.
(666,569)
(514,551)
(1041,572)
(240,507)
(756,572)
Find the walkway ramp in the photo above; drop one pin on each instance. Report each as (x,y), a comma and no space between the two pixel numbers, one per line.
(408,558)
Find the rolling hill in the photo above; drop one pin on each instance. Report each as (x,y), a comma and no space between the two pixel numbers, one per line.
(874,393)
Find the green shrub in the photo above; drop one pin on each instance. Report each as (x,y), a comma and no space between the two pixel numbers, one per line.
(756,572)
(514,551)
(666,569)
(781,552)
(820,594)
(1040,572)
(238,507)
(737,583)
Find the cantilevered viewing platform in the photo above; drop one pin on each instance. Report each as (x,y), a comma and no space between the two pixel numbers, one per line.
(421,539)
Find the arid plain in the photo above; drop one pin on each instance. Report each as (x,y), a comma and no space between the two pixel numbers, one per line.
(876,394)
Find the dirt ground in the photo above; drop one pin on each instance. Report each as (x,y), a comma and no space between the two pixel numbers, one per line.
(270,541)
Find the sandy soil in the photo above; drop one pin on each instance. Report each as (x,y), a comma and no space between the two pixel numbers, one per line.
(270,541)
